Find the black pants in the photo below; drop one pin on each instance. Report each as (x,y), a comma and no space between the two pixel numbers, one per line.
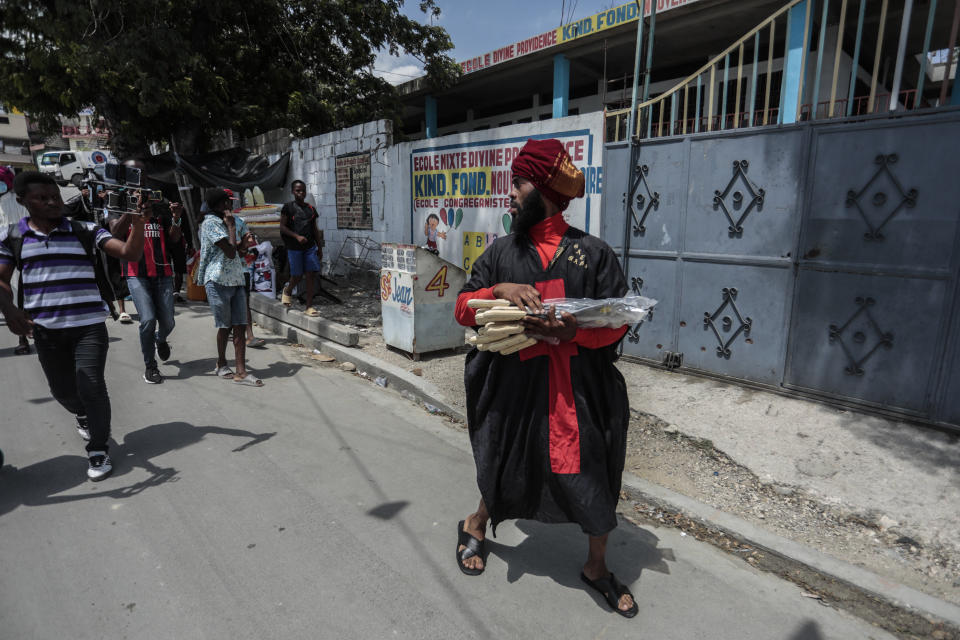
(73,361)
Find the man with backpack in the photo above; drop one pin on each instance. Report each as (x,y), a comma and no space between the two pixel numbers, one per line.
(66,296)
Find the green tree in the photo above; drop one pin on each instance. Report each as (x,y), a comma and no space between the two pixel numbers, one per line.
(185,70)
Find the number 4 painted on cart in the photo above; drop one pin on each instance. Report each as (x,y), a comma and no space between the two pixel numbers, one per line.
(439,282)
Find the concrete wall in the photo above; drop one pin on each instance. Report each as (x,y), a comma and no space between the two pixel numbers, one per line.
(313,160)
(271,144)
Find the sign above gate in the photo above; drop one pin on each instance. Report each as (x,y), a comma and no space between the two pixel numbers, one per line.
(613,17)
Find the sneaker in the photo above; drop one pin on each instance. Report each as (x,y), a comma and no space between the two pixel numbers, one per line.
(163,350)
(82,428)
(152,376)
(100,465)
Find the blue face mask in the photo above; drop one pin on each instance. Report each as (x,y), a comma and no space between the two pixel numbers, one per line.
(3,188)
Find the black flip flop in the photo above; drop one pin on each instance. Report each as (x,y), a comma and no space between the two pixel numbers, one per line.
(474,547)
(612,590)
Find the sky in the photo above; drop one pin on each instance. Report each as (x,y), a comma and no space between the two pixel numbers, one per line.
(480,26)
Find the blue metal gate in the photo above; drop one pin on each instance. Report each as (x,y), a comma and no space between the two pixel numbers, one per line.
(821,259)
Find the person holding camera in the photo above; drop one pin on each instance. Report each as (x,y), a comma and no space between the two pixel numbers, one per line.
(150,280)
(66,293)
(221,273)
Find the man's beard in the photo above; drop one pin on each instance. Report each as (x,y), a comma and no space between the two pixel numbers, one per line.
(532,212)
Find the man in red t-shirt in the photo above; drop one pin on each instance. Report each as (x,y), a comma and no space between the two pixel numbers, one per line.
(150,280)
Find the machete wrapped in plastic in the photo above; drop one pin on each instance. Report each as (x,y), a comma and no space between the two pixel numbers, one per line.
(608,312)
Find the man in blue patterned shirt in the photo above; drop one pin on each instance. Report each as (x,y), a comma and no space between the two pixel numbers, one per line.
(64,305)
(221,273)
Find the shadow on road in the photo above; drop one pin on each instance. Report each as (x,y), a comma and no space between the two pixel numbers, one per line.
(559,551)
(41,483)
(206,367)
(809,631)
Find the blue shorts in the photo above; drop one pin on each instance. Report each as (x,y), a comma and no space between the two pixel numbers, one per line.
(303,261)
(228,304)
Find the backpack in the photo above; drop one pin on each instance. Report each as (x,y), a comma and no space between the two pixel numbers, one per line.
(87,237)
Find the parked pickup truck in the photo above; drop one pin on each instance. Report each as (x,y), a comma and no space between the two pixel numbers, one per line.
(64,165)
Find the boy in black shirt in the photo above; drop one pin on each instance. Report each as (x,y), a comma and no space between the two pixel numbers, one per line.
(298,227)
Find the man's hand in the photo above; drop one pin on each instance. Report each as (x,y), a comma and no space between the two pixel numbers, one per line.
(522,295)
(19,322)
(143,205)
(563,328)
(302,240)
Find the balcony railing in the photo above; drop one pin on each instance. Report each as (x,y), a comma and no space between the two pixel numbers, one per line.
(729,92)
(68,131)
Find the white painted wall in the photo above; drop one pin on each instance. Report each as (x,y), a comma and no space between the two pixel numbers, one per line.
(313,161)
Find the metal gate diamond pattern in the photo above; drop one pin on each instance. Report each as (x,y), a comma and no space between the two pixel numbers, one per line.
(883,339)
(709,321)
(756,198)
(908,198)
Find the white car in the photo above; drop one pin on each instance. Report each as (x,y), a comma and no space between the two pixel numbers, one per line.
(64,166)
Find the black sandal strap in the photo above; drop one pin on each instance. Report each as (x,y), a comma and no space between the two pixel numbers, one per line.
(474,546)
(612,590)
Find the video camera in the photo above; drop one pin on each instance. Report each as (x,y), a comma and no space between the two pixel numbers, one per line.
(122,186)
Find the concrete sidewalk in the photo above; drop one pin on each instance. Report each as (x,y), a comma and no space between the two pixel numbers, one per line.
(888,474)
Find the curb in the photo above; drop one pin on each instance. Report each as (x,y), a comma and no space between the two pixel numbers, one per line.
(267,308)
(799,558)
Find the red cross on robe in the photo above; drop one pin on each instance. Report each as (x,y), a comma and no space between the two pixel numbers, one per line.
(564,429)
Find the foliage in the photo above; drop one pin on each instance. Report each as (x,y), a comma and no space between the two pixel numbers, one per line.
(185,70)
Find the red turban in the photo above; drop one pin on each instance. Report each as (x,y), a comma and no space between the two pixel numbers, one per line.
(548,166)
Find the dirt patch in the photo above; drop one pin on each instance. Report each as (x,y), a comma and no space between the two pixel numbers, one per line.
(696,469)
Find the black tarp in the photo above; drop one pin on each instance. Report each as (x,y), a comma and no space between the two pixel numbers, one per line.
(235,169)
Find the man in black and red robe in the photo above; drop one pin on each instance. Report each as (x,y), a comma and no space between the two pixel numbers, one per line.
(548,424)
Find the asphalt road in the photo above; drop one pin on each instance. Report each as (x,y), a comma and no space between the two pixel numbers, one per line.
(320,506)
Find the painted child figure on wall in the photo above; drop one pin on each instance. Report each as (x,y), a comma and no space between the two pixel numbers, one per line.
(430,230)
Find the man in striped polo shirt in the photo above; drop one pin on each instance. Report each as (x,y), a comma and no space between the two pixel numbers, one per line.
(150,280)
(64,307)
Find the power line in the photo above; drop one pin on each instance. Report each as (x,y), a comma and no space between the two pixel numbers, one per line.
(397,73)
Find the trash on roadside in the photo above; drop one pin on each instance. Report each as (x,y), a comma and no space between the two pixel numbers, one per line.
(322,357)
(348,366)
(429,407)
(381,381)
